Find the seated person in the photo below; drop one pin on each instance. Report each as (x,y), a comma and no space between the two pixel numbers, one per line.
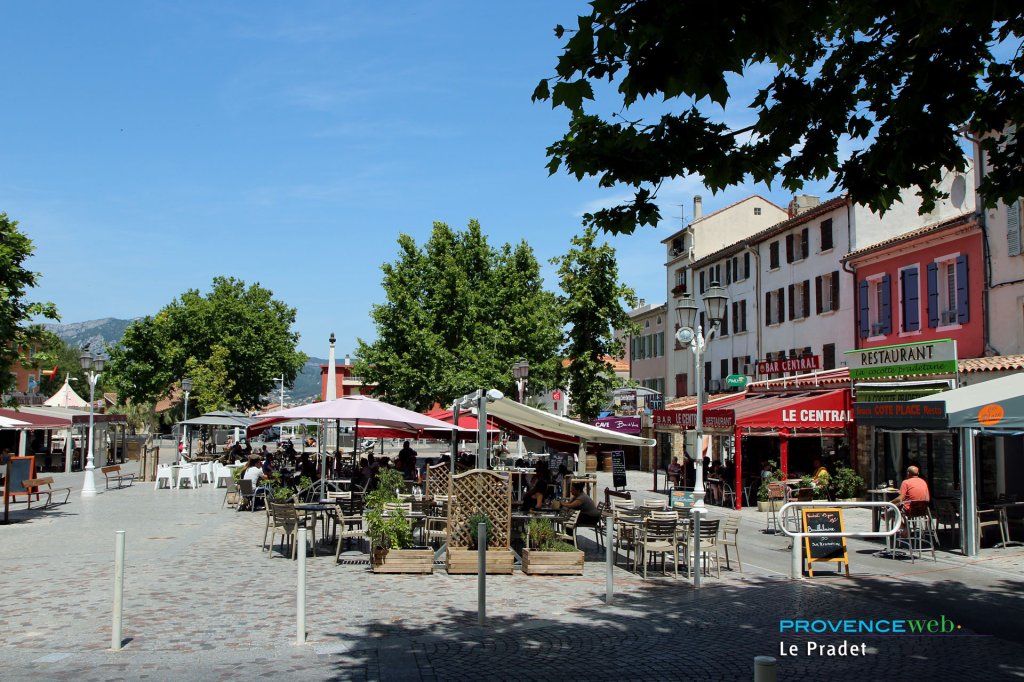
(674,472)
(589,513)
(913,489)
(538,487)
(820,476)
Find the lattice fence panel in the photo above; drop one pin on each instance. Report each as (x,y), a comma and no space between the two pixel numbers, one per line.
(438,475)
(480,490)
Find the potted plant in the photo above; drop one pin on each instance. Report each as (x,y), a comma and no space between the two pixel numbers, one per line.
(544,555)
(391,534)
(763,504)
(846,484)
(474,522)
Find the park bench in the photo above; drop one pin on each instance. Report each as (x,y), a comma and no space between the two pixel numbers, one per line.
(113,473)
(35,486)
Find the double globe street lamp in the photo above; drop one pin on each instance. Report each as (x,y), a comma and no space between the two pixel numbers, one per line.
(93,366)
(715,304)
(186,442)
(521,371)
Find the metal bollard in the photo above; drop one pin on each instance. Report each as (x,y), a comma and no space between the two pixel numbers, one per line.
(764,669)
(609,561)
(300,592)
(481,574)
(696,514)
(115,633)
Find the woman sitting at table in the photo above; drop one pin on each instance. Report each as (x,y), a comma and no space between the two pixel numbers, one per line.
(538,487)
(589,513)
(674,471)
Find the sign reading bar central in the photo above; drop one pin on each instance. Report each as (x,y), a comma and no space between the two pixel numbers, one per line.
(804,364)
(916,413)
(687,419)
(930,357)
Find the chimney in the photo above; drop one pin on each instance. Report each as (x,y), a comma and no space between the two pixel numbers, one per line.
(698,208)
(348,360)
(642,302)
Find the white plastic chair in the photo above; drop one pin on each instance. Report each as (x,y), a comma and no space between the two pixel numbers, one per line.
(188,474)
(163,473)
(222,475)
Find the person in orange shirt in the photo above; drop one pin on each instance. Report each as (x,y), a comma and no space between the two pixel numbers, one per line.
(913,489)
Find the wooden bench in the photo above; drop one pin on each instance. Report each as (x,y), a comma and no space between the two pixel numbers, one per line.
(35,485)
(113,473)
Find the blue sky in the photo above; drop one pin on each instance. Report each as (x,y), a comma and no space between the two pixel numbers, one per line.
(150,146)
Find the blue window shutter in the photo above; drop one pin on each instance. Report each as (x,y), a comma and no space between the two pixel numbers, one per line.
(933,295)
(963,305)
(1013,228)
(886,319)
(865,310)
(911,302)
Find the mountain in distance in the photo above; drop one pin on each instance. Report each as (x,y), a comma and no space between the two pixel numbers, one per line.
(97,333)
(106,332)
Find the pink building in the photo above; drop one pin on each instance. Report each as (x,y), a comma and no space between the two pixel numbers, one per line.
(923,285)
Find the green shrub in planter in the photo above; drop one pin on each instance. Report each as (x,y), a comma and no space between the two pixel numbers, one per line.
(846,483)
(539,532)
(558,546)
(474,522)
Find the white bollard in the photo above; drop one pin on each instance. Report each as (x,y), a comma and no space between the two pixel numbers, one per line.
(115,633)
(609,560)
(796,564)
(764,669)
(300,592)
(481,574)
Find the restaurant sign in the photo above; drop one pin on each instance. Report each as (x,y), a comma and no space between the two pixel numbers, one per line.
(687,419)
(929,414)
(619,424)
(802,364)
(930,357)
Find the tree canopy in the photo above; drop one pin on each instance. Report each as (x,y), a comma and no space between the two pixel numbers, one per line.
(17,332)
(898,82)
(591,307)
(458,313)
(231,343)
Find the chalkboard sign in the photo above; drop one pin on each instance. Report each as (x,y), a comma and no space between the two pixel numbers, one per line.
(618,468)
(555,460)
(824,549)
(19,469)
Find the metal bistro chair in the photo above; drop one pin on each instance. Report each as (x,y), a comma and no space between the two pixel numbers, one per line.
(251,494)
(731,527)
(778,495)
(658,535)
(709,545)
(284,522)
(349,528)
(920,530)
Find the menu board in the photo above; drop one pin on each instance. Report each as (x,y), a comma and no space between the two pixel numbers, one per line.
(19,469)
(823,549)
(618,468)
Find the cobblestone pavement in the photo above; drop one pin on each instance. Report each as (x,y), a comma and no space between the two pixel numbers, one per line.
(202,601)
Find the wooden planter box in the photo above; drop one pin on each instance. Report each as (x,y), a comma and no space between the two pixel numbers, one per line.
(464,561)
(765,505)
(403,561)
(536,562)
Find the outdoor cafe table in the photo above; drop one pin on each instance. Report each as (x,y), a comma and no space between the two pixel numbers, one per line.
(1004,522)
(880,495)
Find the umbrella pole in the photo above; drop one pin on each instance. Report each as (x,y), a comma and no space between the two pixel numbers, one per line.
(355,444)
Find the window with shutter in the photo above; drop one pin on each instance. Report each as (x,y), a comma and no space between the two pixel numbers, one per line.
(826,234)
(702,281)
(780,301)
(773,255)
(911,307)
(864,307)
(682,387)
(963,308)
(724,331)
(743,314)
(1013,225)
(789,248)
(805,243)
(805,294)
(834,297)
(933,295)
(886,305)
(818,307)
(746,265)
(768,308)
(792,295)
(828,356)
(728,272)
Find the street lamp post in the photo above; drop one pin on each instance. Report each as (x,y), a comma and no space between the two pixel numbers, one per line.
(521,371)
(93,366)
(186,385)
(715,303)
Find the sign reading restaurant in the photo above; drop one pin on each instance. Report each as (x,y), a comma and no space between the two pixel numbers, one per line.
(804,364)
(929,357)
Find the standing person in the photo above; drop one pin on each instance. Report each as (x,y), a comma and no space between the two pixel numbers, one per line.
(407,461)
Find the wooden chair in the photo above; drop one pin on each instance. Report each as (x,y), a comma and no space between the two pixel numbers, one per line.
(778,495)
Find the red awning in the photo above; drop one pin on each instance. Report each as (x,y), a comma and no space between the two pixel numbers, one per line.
(830,410)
